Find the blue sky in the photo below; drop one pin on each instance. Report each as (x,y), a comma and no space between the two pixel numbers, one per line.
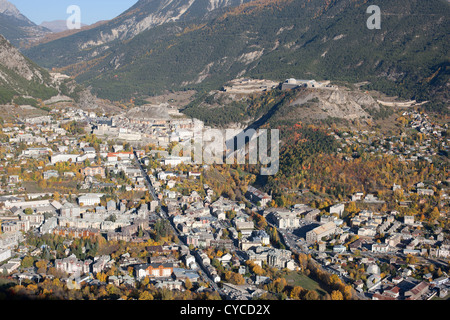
(91,10)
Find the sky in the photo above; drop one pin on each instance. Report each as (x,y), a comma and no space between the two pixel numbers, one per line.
(91,10)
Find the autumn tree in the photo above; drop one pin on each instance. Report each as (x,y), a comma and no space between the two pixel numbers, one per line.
(27,262)
(296,293)
(188,284)
(41,265)
(101,277)
(311,295)
(336,295)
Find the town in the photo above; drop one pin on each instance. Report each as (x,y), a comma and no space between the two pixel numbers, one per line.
(100,201)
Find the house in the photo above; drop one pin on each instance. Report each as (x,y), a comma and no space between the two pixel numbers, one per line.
(93,171)
(69,210)
(113,280)
(13,179)
(223,244)
(440,281)
(311,215)
(5,254)
(337,208)
(285,219)
(89,200)
(194,174)
(117,156)
(13,264)
(89,150)
(357,196)
(318,233)
(164,175)
(397,279)
(261,236)
(418,291)
(111,205)
(225,259)
(184,274)
(50,174)
(408,220)
(339,249)
(100,263)
(169,284)
(425,192)
(256,196)
(73,265)
(245,227)
(76,232)
(62,157)
(154,270)
(380,247)
(189,261)
(174,161)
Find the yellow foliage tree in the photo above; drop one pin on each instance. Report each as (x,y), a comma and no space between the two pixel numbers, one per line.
(336,295)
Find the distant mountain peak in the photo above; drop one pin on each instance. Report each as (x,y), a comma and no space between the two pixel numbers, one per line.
(9,9)
(57,25)
(17,28)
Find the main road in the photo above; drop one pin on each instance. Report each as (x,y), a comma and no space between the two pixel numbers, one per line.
(164,215)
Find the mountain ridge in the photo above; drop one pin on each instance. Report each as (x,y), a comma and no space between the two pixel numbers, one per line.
(57,25)
(24,82)
(17,28)
(273,39)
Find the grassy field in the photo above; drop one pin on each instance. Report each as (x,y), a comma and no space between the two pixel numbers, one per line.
(61,187)
(298,279)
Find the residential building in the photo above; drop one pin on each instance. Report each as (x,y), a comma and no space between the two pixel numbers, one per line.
(337,208)
(73,265)
(408,220)
(285,219)
(256,196)
(425,192)
(93,171)
(5,254)
(63,158)
(418,291)
(70,210)
(50,174)
(318,233)
(154,270)
(89,200)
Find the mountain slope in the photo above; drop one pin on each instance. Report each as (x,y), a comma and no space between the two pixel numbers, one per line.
(17,28)
(274,39)
(144,15)
(21,77)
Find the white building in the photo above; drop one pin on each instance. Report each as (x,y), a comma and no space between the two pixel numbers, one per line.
(91,199)
(63,158)
(337,208)
(5,254)
(286,219)
(318,233)
(73,265)
(174,161)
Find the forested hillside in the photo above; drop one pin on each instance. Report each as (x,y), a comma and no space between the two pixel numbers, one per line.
(21,77)
(276,40)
